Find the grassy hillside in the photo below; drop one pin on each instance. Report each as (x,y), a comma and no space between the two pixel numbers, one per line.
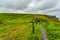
(19,27)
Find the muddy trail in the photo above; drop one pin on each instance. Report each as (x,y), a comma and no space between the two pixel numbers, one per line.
(44,36)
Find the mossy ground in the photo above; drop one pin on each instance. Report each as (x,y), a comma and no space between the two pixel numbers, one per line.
(19,27)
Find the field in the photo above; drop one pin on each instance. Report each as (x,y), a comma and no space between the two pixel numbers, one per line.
(19,27)
(52,30)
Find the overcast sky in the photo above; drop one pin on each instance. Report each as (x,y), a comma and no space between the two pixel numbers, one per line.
(50,7)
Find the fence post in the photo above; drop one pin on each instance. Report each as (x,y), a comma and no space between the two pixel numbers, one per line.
(33,27)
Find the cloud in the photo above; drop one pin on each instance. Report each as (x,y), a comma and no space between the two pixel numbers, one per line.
(42,5)
(15,4)
(30,5)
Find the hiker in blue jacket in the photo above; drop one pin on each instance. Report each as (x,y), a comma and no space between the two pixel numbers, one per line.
(38,21)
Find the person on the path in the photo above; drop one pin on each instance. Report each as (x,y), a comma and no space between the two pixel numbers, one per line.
(37,21)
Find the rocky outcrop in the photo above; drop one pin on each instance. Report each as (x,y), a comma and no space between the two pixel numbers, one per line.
(49,16)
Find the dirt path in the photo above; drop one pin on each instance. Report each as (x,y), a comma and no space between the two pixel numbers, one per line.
(44,37)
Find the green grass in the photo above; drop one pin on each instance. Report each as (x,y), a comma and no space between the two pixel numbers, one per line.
(52,30)
(19,27)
